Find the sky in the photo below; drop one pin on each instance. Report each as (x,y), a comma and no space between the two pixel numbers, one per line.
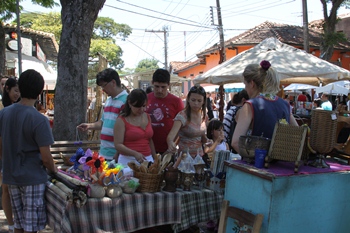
(188,23)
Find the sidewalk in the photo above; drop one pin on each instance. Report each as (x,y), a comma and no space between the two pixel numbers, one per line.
(4,227)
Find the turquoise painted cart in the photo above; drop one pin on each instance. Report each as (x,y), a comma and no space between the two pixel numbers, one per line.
(314,200)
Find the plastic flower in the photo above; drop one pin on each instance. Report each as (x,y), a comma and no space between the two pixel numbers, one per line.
(75,158)
(96,163)
(265,65)
(113,170)
(86,158)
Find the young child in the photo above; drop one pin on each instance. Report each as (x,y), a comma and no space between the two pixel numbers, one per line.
(215,131)
(26,137)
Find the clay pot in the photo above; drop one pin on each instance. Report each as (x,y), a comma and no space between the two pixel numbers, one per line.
(187,180)
(170,177)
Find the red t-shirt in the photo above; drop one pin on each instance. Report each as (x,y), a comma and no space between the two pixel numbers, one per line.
(162,112)
(302,98)
(136,138)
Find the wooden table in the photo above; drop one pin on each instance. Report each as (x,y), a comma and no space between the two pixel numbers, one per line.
(131,212)
(314,200)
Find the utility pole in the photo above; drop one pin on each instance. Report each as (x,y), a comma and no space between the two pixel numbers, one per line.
(19,44)
(306,27)
(165,44)
(221,33)
(222,58)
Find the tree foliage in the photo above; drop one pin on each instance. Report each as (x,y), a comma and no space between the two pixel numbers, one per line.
(7,11)
(330,36)
(146,64)
(103,38)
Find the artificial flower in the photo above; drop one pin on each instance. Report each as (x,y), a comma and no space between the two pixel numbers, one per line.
(113,170)
(96,163)
(86,158)
(75,158)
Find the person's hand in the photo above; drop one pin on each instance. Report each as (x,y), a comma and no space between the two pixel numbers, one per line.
(139,157)
(172,147)
(209,143)
(83,127)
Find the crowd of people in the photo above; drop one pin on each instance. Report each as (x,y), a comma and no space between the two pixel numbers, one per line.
(134,127)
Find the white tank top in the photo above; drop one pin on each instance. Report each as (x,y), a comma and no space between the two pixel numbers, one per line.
(221,146)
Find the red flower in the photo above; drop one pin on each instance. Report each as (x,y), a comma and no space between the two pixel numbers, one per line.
(96,163)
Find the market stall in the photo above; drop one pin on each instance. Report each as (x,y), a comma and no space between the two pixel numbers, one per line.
(313,200)
(131,212)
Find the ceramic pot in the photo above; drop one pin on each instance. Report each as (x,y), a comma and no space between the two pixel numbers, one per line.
(114,191)
(178,182)
(170,177)
(187,180)
(97,191)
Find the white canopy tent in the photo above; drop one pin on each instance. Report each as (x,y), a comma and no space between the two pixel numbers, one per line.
(299,86)
(333,89)
(289,62)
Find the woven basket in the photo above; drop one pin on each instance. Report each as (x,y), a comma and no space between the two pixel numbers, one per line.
(288,143)
(323,130)
(148,182)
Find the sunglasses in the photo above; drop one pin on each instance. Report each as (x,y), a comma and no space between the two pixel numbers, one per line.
(196,89)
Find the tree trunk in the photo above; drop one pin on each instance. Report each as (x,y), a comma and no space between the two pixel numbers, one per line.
(2,49)
(327,44)
(78,19)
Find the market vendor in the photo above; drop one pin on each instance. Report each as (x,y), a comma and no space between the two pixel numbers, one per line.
(190,124)
(260,113)
(133,130)
(109,80)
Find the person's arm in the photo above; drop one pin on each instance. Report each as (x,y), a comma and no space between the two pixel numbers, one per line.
(93,126)
(119,132)
(210,147)
(153,149)
(47,159)
(0,147)
(243,119)
(172,136)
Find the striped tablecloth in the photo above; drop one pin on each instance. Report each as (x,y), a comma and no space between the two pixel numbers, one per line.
(131,212)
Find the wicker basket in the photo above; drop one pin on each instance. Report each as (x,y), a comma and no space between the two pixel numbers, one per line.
(288,144)
(323,130)
(148,182)
(248,144)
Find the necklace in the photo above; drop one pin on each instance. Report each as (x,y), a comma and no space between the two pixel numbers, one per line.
(137,121)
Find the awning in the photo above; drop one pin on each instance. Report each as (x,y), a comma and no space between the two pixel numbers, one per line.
(30,62)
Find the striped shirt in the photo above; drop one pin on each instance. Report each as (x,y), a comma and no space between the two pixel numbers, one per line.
(111,111)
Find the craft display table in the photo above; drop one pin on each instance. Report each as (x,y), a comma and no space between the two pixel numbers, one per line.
(313,200)
(131,212)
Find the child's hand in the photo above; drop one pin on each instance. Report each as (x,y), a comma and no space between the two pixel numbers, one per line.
(220,138)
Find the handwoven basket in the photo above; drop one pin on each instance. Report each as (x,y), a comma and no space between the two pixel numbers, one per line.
(148,182)
(248,144)
(323,130)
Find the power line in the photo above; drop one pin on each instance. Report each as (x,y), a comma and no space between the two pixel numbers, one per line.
(155,11)
(173,21)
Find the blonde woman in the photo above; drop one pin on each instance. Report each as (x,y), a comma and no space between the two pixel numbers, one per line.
(260,113)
